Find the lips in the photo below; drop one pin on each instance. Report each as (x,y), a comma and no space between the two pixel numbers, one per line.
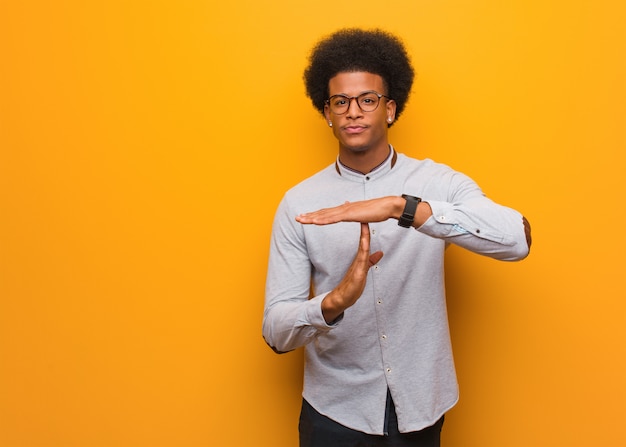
(353,130)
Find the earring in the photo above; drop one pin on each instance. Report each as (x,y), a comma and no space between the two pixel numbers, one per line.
(389,120)
(330,124)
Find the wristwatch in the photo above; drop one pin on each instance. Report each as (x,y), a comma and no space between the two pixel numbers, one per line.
(408,215)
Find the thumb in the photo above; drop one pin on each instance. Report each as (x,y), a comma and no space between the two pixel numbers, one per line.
(375,257)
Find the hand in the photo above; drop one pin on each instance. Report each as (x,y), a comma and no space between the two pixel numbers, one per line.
(529,239)
(374,210)
(352,285)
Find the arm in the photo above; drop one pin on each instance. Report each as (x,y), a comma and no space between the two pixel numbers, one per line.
(291,319)
(481,226)
(374,210)
(351,286)
(469,220)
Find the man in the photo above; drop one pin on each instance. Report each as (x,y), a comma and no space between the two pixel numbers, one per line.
(357,253)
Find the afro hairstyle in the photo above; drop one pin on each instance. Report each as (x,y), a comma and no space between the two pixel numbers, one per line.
(353,49)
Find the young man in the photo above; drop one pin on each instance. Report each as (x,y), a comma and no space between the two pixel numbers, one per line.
(357,253)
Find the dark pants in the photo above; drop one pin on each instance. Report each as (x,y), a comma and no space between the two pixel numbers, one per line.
(316,430)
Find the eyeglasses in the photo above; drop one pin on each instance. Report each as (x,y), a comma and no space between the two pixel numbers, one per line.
(367,102)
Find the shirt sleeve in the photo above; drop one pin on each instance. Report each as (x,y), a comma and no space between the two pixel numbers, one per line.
(291,318)
(471,220)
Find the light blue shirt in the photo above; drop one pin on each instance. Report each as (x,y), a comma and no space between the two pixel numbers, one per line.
(396,335)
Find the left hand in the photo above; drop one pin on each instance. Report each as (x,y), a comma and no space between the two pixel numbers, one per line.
(374,210)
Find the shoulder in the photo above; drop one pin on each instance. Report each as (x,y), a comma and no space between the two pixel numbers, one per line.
(434,178)
(425,168)
(313,192)
(322,183)
(425,164)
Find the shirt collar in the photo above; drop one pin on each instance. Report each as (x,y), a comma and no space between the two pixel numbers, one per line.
(380,170)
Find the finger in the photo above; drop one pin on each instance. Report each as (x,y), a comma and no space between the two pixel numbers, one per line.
(321,217)
(365,238)
(375,257)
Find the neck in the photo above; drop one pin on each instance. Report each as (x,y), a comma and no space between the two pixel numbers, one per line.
(364,161)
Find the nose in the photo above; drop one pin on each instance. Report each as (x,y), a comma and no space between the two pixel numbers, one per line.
(354,109)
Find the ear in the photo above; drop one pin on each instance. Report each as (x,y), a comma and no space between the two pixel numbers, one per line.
(327,113)
(391,110)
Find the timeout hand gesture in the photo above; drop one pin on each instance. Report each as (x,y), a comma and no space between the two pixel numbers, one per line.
(349,290)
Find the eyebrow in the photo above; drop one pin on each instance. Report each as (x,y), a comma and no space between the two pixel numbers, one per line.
(350,96)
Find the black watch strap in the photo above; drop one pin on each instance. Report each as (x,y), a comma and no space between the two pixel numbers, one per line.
(408,215)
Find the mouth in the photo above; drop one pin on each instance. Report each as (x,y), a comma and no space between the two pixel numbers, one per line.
(353,130)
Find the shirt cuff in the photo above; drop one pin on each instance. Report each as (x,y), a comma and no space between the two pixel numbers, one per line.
(316,318)
(445,222)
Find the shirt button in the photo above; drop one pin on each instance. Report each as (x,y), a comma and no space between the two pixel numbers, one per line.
(380,301)
(374,231)
(388,370)
(384,337)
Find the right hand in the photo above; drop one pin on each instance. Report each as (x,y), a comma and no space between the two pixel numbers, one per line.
(352,285)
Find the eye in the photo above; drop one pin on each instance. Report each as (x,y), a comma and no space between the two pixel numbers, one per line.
(340,100)
(368,99)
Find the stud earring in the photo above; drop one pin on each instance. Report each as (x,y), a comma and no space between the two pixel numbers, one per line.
(389,120)
(330,124)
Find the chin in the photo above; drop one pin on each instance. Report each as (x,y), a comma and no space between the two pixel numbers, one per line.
(356,148)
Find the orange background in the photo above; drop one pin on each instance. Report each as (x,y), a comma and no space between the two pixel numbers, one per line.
(144,146)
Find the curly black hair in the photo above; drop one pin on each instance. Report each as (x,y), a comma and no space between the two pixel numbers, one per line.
(353,49)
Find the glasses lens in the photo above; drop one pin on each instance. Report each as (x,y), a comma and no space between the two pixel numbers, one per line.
(339,104)
(368,101)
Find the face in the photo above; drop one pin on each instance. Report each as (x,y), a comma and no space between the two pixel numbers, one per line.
(359,131)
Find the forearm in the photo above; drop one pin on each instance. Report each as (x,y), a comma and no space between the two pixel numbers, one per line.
(366,211)
(480,226)
(290,318)
(470,220)
(288,325)
(332,307)
(352,284)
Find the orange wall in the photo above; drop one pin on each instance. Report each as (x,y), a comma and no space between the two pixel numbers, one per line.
(144,146)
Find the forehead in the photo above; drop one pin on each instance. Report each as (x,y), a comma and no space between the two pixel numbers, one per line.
(354,82)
